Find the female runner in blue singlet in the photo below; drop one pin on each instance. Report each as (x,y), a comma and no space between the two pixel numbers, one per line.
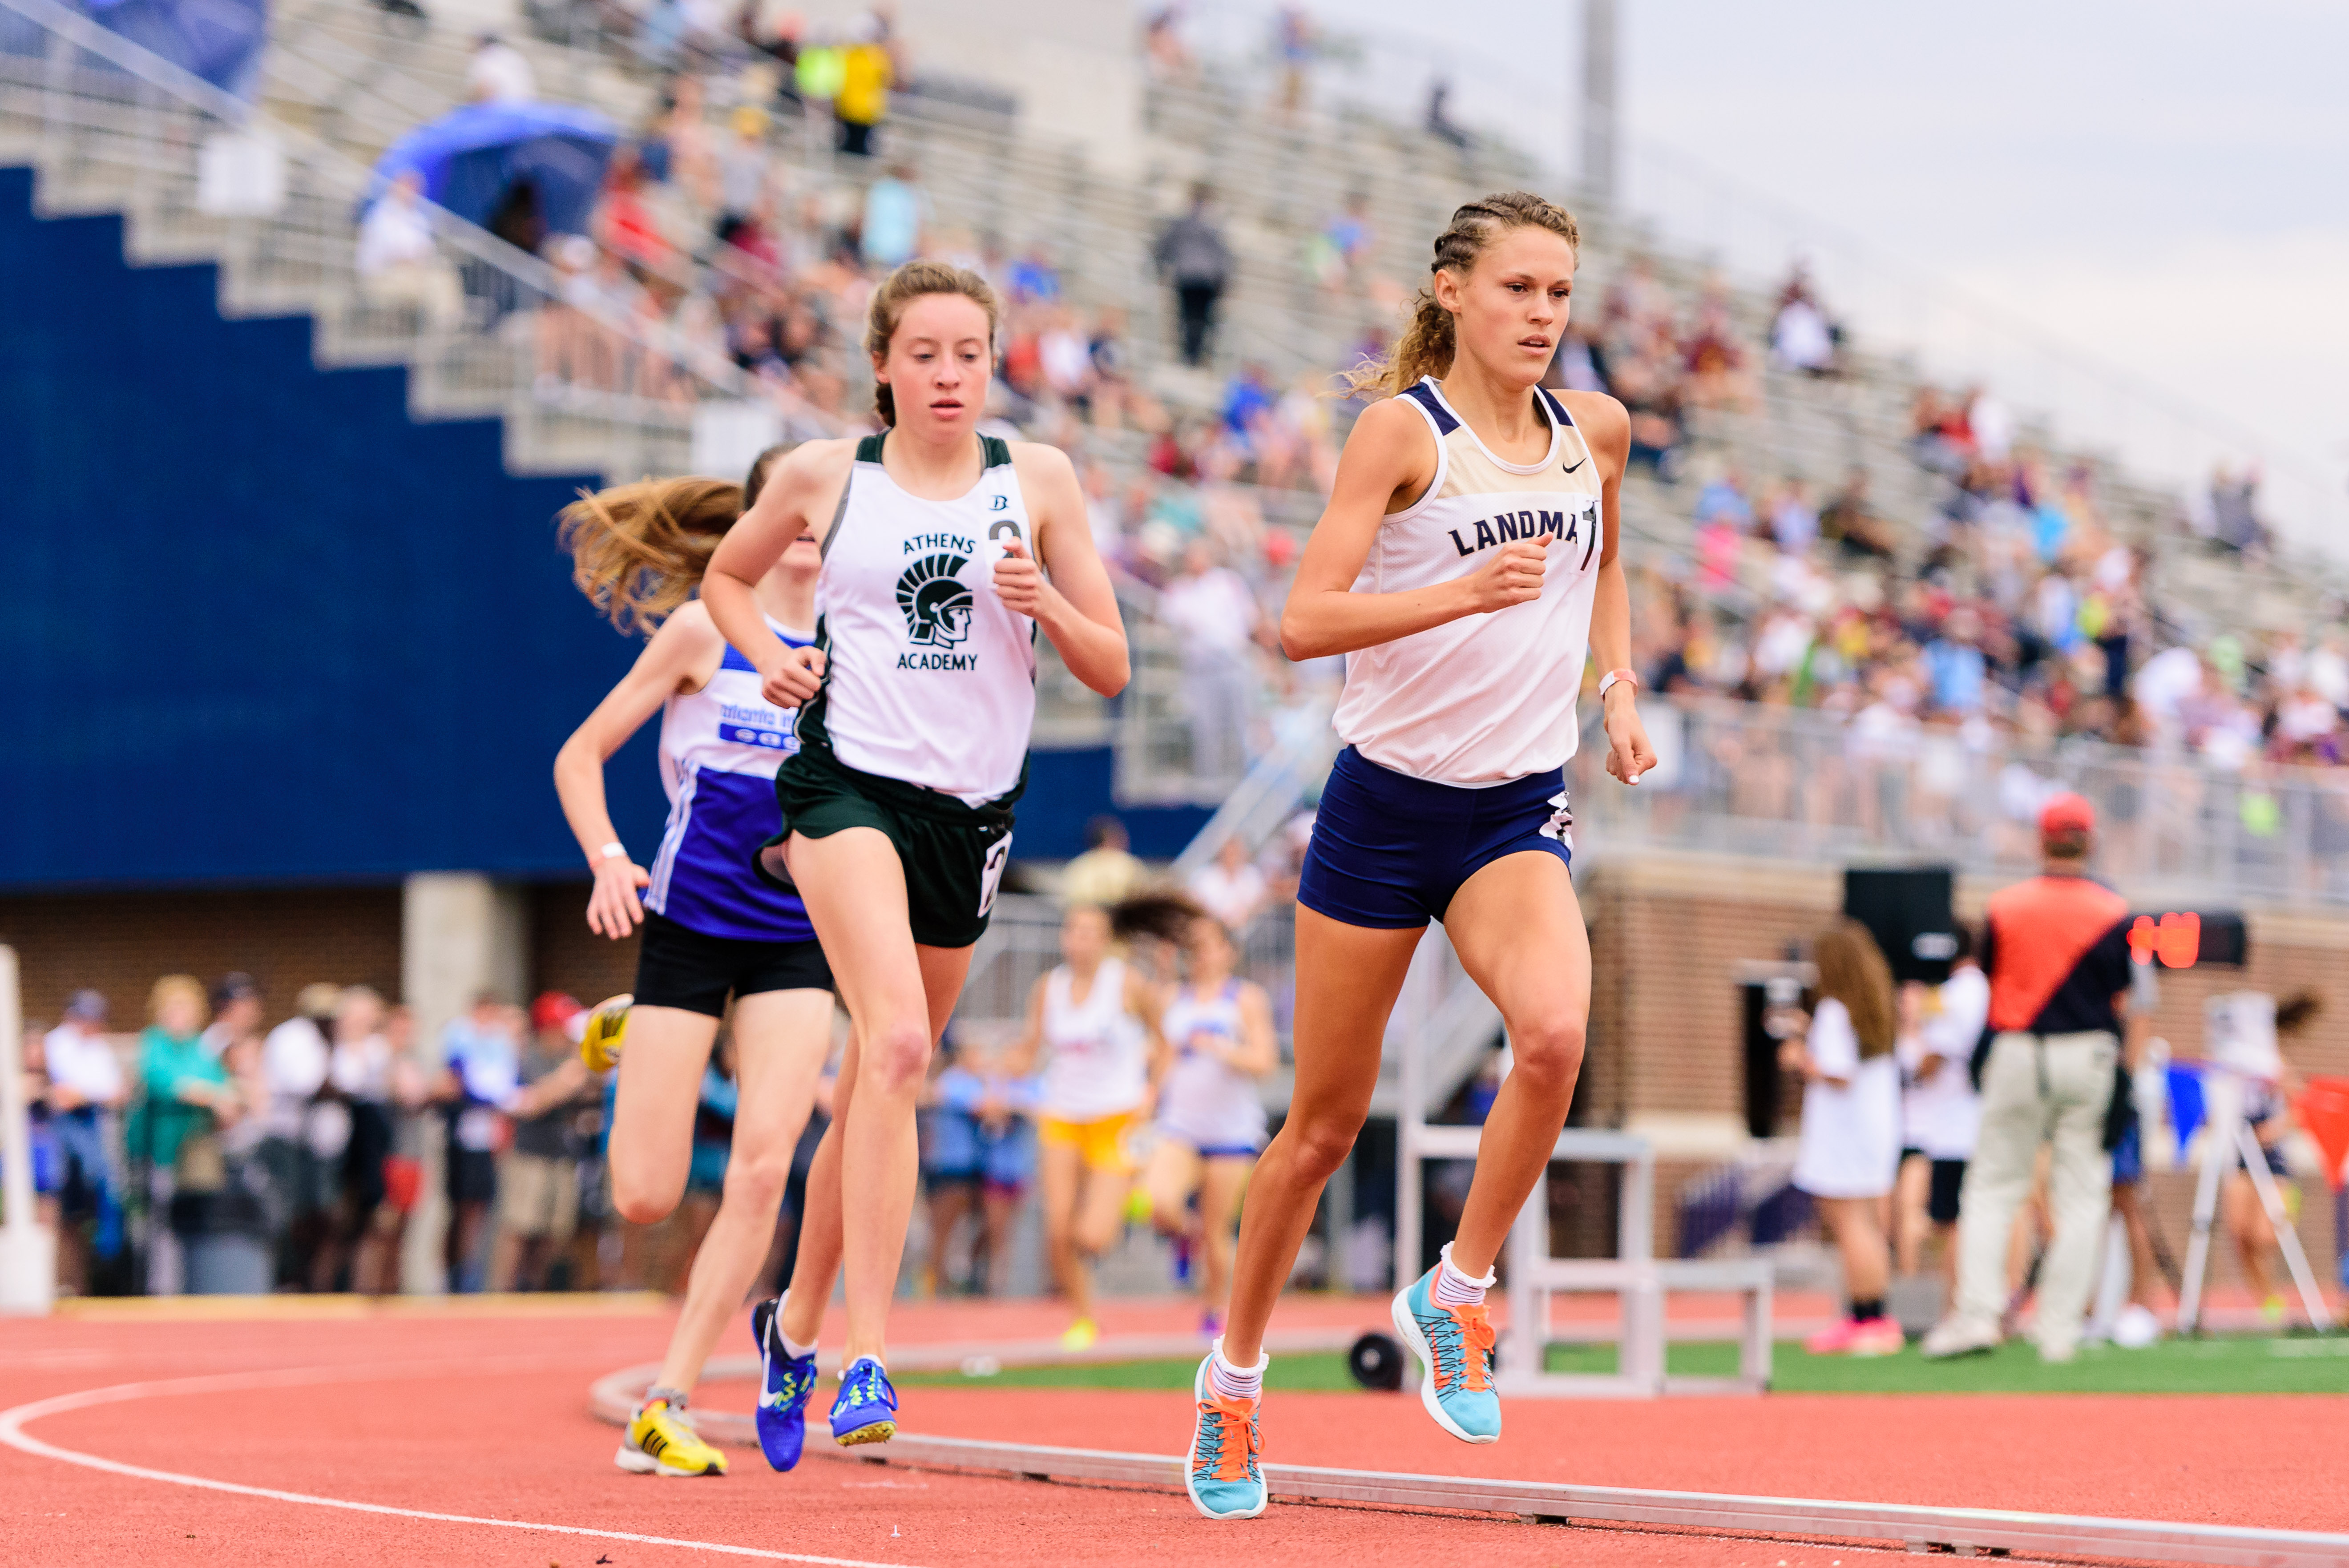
(710,929)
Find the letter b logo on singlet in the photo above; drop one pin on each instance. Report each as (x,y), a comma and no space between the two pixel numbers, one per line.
(937,606)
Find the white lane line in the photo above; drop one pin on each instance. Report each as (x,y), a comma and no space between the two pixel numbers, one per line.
(14,1421)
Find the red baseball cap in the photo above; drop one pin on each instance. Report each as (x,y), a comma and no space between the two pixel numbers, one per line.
(2067,814)
(554,1010)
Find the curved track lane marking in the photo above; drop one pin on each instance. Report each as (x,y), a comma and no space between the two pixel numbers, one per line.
(14,1421)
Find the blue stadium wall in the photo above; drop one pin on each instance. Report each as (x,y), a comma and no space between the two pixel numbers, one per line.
(263,628)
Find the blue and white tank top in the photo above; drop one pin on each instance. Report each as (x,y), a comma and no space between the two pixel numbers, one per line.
(1484,699)
(719,748)
(928,678)
(1202,1101)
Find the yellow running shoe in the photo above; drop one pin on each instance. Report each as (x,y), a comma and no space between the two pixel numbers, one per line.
(599,1048)
(1082,1335)
(662,1441)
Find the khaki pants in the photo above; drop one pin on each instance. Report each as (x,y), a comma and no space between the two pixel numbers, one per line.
(2052,1090)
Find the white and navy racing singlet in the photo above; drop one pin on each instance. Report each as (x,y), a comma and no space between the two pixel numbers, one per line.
(719,748)
(928,678)
(1205,1102)
(1099,1061)
(1487,698)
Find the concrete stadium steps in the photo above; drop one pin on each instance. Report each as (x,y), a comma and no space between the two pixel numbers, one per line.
(355,77)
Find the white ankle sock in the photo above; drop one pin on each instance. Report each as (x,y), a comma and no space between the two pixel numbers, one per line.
(1233,1382)
(1453,1288)
(791,1348)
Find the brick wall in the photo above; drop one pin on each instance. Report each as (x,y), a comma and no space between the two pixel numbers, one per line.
(285,938)
(1668,933)
(121,943)
(564,956)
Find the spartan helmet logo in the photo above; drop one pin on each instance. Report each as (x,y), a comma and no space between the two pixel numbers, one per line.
(937,606)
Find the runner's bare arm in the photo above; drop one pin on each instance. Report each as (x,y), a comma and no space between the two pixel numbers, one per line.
(1608,428)
(1019,1059)
(1387,462)
(680,657)
(1071,597)
(1257,1050)
(800,491)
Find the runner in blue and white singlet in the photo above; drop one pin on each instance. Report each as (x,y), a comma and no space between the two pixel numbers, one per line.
(713,937)
(719,748)
(1205,1103)
(1211,1119)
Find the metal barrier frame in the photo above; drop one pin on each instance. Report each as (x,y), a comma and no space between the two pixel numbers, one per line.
(1635,1275)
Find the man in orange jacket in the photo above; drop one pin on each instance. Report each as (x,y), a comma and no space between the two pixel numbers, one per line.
(2057,951)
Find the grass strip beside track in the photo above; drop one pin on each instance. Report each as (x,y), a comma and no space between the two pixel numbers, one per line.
(2232,1366)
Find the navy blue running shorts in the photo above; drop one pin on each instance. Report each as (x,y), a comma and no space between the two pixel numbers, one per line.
(1390,850)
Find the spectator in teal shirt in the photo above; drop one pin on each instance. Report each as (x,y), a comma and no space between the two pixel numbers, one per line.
(184,1096)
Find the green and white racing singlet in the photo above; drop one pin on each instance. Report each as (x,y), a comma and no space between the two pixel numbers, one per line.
(928,678)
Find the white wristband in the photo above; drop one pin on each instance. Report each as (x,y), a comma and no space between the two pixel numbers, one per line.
(1629,677)
(612,852)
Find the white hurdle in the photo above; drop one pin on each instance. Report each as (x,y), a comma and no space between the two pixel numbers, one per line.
(1639,1279)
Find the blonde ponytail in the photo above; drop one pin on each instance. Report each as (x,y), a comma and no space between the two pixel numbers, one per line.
(1428,343)
(639,551)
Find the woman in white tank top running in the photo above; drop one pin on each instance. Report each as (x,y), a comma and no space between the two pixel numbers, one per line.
(1466,562)
(1211,1120)
(945,552)
(1093,1020)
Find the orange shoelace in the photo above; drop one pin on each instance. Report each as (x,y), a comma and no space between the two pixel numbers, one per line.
(1235,1434)
(1475,1326)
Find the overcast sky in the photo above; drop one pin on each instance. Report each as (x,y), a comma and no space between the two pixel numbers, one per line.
(2163,183)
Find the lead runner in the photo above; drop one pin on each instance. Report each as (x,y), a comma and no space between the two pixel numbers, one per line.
(1467,562)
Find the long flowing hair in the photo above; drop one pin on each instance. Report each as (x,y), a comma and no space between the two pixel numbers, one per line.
(1429,339)
(1852,970)
(639,551)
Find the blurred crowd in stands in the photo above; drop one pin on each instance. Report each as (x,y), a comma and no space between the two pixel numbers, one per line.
(2009,603)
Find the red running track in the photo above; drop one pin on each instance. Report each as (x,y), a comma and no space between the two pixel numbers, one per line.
(485,1417)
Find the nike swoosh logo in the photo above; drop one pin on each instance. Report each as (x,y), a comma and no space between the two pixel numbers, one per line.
(774,1401)
(1569,467)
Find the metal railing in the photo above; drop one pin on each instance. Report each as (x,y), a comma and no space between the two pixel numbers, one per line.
(1799,785)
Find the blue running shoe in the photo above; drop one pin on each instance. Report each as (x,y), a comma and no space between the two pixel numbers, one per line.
(1221,1471)
(784,1385)
(1454,1346)
(866,1409)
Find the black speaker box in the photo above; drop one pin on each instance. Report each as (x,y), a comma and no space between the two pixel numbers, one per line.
(1908,910)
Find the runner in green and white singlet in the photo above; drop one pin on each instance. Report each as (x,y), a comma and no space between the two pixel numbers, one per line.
(944,554)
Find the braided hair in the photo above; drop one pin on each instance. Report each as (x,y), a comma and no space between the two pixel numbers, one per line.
(1427,343)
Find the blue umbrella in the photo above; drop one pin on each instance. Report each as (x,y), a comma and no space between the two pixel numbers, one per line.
(471,158)
(219,40)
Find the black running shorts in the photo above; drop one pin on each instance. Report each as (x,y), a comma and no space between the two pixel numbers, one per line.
(953,854)
(677,966)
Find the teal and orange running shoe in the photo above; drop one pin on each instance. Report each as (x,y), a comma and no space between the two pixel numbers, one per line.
(1221,1471)
(1454,1346)
(784,1384)
(866,1409)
